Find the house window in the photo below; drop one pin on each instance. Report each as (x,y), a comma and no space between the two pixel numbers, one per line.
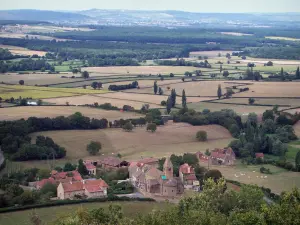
(165,190)
(172,190)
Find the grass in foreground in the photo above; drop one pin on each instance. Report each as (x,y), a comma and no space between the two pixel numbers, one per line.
(15,91)
(50,214)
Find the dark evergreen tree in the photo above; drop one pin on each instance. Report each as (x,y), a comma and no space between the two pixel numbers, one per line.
(219,93)
(183,99)
(155,87)
(169,105)
(297,73)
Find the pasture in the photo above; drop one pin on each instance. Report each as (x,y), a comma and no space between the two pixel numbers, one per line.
(16,91)
(50,214)
(173,138)
(15,113)
(280,179)
(137,70)
(15,50)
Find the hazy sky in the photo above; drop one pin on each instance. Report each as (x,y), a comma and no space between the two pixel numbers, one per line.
(185,5)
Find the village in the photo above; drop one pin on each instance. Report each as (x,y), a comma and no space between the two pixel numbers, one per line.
(144,176)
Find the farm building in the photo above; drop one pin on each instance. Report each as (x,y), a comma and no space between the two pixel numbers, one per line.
(84,188)
(222,157)
(91,168)
(153,181)
(201,156)
(187,175)
(259,155)
(109,162)
(149,161)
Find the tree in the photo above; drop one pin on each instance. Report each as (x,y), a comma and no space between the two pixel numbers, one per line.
(219,93)
(268,114)
(163,103)
(21,82)
(298,73)
(228,55)
(171,75)
(23,102)
(93,147)
(169,105)
(128,126)
(155,87)
(297,161)
(251,101)
(270,63)
(225,73)
(173,97)
(85,74)
(94,85)
(69,167)
(183,99)
(39,102)
(182,79)
(201,135)
(188,74)
(82,168)
(207,152)
(213,174)
(160,91)
(221,68)
(152,127)
(282,74)
(49,188)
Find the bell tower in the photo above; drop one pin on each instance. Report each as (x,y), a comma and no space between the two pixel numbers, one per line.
(168,168)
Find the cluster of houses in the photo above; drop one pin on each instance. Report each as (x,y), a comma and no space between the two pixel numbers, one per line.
(144,175)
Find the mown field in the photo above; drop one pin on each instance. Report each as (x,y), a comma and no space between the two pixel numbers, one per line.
(50,214)
(15,91)
(280,179)
(22,51)
(14,113)
(173,138)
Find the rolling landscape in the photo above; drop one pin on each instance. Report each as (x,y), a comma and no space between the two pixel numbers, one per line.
(146,103)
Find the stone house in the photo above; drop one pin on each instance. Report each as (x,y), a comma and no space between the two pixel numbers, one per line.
(91,168)
(187,175)
(259,155)
(84,188)
(111,163)
(148,178)
(224,156)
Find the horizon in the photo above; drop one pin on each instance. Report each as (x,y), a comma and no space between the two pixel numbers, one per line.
(200,6)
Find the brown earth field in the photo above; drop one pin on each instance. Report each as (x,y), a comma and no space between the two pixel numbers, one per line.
(272,89)
(280,179)
(22,51)
(14,113)
(173,138)
(292,102)
(127,70)
(91,99)
(195,88)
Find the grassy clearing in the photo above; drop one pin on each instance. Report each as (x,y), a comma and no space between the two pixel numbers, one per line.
(15,91)
(280,179)
(50,214)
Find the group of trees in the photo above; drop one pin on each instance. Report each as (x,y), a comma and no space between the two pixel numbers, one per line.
(25,65)
(172,101)
(269,137)
(44,148)
(108,61)
(114,87)
(96,85)
(157,89)
(15,141)
(135,122)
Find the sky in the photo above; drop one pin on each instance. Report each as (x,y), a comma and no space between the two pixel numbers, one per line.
(186,5)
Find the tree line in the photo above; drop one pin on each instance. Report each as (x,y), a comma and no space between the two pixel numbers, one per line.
(114,87)
(25,65)
(182,62)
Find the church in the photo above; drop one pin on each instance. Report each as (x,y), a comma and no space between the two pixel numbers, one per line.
(149,179)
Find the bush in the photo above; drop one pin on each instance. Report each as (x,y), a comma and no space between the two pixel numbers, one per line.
(152,127)
(21,82)
(251,101)
(214,174)
(94,147)
(128,126)
(201,135)
(163,103)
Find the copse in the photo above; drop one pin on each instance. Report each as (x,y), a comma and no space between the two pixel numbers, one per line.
(201,135)
(114,87)
(85,74)
(94,147)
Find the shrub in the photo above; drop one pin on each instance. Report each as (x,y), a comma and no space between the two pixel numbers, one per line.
(251,101)
(93,147)
(206,111)
(128,126)
(214,174)
(152,127)
(163,103)
(201,135)
(21,82)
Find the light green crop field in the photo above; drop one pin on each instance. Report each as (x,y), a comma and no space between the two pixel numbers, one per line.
(50,214)
(15,91)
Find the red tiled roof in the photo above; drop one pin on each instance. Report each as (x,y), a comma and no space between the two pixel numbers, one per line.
(41,183)
(191,177)
(110,161)
(218,155)
(73,186)
(100,183)
(186,169)
(90,166)
(259,155)
(63,175)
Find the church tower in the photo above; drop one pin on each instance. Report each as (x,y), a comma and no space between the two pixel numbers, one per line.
(168,168)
